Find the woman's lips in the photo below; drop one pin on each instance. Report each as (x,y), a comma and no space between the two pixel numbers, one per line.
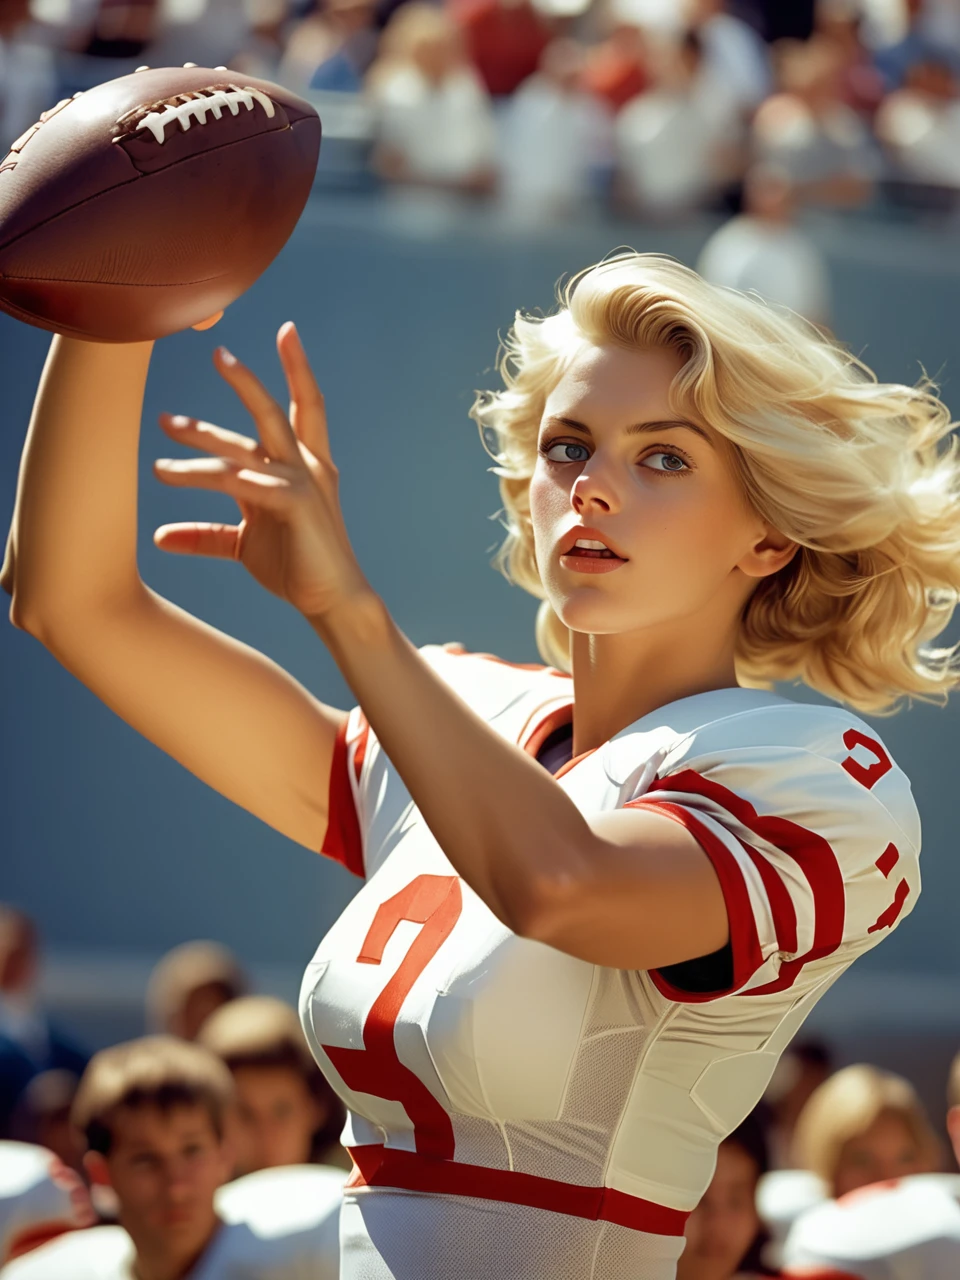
(591,563)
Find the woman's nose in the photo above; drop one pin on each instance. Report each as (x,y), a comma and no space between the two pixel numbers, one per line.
(592,491)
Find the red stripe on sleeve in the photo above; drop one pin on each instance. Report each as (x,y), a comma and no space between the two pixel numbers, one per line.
(745,943)
(781,904)
(810,851)
(342,841)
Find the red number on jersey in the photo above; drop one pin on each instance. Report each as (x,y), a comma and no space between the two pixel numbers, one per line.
(886,862)
(436,903)
(867,775)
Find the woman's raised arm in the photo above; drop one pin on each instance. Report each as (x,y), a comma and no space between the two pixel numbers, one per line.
(226,712)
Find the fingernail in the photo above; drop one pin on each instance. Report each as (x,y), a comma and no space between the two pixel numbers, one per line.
(227,356)
(178,421)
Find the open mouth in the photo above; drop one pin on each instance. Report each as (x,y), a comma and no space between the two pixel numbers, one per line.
(591,549)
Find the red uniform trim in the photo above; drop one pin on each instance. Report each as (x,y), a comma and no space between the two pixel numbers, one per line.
(747,955)
(810,851)
(342,840)
(379,1166)
(39,1233)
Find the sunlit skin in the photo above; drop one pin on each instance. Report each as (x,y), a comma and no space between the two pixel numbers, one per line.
(723,1226)
(663,625)
(887,1149)
(164,1167)
(275,1118)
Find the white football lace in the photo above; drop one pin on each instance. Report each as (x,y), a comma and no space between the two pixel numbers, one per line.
(183,113)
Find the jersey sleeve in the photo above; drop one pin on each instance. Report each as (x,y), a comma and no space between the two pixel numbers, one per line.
(813,834)
(364,786)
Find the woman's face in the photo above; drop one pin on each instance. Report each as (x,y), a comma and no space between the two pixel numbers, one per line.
(887,1149)
(722,1227)
(660,494)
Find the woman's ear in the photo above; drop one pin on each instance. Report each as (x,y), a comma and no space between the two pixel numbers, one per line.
(769,554)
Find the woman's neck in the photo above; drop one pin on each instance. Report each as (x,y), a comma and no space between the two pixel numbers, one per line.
(618,679)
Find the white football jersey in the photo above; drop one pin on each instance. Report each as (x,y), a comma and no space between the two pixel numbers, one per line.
(518,1112)
(903,1230)
(39,1198)
(279,1224)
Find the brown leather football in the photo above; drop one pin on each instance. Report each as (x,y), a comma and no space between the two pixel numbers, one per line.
(148,203)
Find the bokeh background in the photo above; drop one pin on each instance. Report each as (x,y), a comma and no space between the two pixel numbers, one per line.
(475,153)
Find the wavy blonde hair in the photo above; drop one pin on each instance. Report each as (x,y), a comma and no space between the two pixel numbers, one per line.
(863,475)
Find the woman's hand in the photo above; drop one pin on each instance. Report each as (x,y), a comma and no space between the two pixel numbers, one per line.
(292,537)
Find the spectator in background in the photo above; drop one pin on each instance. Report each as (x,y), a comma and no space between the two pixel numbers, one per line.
(734,53)
(864,1125)
(861,84)
(919,125)
(678,146)
(808,130)
(286,1111)
(763,250)
(434,120)
(40,1199)
(908,1228)
(264,39)
(42,1116)
(152,1112)
(556,140)
(724,1234)
(921,41)
(330,48)
(29,1042)
(504,39)
(188,984)
(616,67)
(28,83)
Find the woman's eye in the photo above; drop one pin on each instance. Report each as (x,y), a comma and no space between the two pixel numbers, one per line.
(671,461)
(565,452)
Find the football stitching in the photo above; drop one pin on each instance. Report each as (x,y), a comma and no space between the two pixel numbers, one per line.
(137,177)
(188,108)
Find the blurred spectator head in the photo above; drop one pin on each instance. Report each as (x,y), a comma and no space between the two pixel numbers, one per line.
(188,984)
(562,63)
(152,1112)
(424,37)
(864,1125)
(43,1112)
(769,194)
(933,77)
(724,1232)
(953,1106)
(811,70)
(285,1110)
(19,953)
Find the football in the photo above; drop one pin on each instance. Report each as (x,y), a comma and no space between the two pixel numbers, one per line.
(148,203)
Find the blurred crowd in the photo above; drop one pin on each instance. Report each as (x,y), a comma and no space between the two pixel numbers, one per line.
(216,1134)
(552,110)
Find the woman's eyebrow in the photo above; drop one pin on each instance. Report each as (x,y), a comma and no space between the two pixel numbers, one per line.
(636,428)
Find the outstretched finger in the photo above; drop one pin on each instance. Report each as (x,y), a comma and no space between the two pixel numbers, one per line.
(218,540)
(308,414)
(270,489)
(274,430)
(212,439)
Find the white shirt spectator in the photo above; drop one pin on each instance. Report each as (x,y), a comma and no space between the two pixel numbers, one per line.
(444,132)
(39,1199)
(667,142)
(923,135)
(888,1231)
(279,1224)
(553,142)
(775,259)
(737,56)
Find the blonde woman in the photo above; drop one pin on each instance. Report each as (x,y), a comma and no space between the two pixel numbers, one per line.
(864,1125)
(601,896)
